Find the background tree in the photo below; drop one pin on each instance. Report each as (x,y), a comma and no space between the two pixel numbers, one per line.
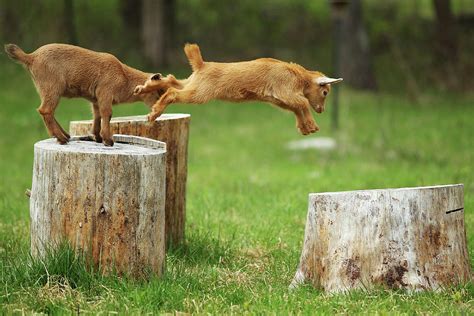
(9,20)
(446,34)
(69,22)
(356,66)
(158,22)
(131,15)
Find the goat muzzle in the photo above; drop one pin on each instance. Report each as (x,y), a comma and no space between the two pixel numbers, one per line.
(319,109)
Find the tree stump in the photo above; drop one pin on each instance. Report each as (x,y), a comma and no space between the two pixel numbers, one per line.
(107,202)
(410,238)
(173,129)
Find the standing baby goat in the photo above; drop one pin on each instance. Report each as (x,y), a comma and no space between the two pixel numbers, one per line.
(287,85)
(60,70)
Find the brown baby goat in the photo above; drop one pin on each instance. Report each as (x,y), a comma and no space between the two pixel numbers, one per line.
(60,70)
(287,85)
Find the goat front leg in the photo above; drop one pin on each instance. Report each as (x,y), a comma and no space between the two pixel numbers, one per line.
(299,105)
(301,122)
(158,84)
(46,110)
(172,95)
(96,123)
(106,115)
(310,124)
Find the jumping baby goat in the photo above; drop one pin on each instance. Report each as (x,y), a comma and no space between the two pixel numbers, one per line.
(287,85)
(60,70)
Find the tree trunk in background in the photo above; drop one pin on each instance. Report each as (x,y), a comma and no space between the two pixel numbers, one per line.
(9,22)
(157,30)
(356,58)
(131,12)
(446,35)
(69,24)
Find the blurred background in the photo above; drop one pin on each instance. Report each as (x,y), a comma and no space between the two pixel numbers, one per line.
(383,45)
(405,118)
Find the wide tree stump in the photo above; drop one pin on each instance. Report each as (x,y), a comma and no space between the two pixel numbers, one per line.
(107,202)
(173,129)
(410,238)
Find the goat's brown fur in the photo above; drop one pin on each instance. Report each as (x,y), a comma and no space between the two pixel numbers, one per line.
(287,85)
(60,70)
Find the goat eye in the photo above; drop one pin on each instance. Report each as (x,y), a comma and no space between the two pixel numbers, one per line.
(325,93)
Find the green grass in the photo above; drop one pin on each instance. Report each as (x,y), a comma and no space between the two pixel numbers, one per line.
(246,204)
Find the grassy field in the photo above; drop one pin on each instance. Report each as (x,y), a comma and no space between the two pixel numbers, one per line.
(247,201)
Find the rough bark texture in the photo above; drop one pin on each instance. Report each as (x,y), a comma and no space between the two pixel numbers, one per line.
(411,238)
(107,202)
(173,129)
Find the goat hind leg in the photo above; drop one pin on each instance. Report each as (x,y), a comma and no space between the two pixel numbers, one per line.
(66,134)
(46,110)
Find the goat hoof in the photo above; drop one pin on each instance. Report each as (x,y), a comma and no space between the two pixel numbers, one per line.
(108,142)
(62,141)
(152,117)
(97,138)
(303,131)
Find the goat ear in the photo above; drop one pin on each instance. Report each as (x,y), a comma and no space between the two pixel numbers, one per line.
(322,81)
(156,76)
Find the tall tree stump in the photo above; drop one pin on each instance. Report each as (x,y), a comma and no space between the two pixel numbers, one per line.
(173,129)
(107,202)
(410,238)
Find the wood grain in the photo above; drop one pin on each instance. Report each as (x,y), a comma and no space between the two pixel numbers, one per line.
(410,238)
(107,202)
(173,129)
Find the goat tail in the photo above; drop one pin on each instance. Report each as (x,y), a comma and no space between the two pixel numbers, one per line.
(16,53)
(193,53)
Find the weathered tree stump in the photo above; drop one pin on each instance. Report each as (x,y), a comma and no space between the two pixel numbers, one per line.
(173,129)
(410,238)
(107,202)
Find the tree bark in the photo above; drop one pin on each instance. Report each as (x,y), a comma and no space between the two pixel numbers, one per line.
(446,35)
(108,203)
(158,19)
(355,56)
(131,12)
(173,129)
(410,238)
(69,22)
(10,19)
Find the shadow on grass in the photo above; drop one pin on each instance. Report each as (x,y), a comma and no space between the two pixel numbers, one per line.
(202,248)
